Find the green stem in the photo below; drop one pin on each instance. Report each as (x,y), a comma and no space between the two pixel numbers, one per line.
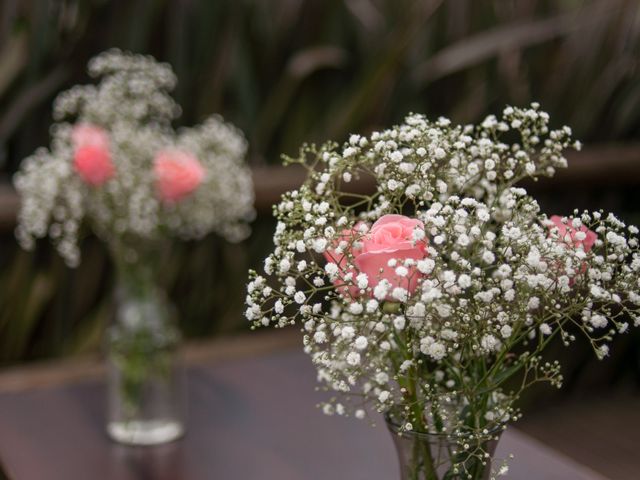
(142,337)
(422,454)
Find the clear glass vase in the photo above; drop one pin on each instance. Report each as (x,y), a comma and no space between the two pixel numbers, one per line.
(146,391)
(439,456)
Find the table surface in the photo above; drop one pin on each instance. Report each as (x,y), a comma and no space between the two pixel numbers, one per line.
(251,417)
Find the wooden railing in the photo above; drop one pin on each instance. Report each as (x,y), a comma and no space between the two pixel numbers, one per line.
(600,166)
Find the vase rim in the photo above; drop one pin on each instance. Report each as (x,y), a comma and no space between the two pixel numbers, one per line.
(394,427)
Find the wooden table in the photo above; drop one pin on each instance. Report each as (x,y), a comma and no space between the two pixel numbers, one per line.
(252,416)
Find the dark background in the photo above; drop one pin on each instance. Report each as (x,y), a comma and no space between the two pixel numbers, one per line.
(289,71)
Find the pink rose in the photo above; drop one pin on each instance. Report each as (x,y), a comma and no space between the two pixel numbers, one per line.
(391,237)
(178,174)
(570,236)
(91,156)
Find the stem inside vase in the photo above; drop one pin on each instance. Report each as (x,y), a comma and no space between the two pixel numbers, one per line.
(440,456)
(145,385)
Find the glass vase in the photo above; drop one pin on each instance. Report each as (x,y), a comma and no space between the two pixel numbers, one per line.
(439,456)
(145,384)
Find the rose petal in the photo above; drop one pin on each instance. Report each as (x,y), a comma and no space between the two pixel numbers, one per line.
(372,263)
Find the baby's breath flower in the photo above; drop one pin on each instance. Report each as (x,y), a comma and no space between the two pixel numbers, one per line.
(416,321)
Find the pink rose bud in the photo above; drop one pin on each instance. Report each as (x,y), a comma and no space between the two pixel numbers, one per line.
(392,238)
(91,156)
(178,174)
(570,236)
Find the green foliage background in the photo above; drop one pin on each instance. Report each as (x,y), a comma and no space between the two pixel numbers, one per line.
(288,71)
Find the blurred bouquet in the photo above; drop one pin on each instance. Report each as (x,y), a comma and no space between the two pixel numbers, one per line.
(433,299)
(121,169)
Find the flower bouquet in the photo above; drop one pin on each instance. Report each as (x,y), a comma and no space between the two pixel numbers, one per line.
(432,299)
(116,165)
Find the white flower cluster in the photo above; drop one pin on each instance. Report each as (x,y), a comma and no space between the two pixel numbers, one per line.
(431,327)
(131,103)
